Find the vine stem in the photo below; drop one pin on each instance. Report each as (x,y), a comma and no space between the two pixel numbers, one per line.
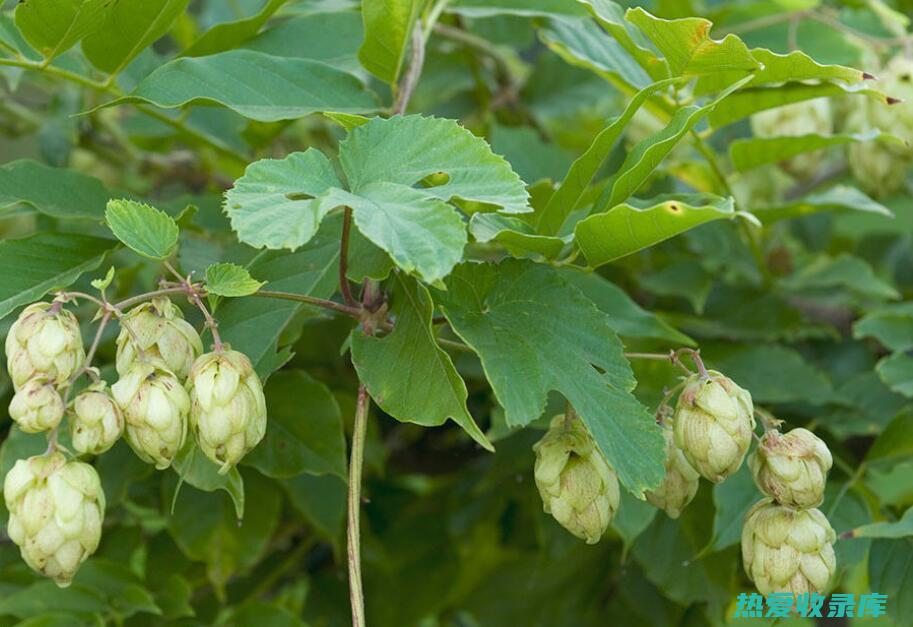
(353,528)
(673,357)
(410,80)
(344,288)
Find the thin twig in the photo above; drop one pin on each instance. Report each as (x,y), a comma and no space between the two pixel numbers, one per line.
(311,300)
(353,528)
(410,80)
(139,298)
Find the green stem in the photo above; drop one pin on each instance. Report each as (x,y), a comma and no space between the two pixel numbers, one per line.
(311,300)
(353,528)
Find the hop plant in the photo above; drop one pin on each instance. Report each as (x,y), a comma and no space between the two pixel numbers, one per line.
(577,485)
(680,483)
(713,423)
(56,511)
(788,550)
(95,420)
(228,410)
(44,341)
(896,80)
(157,332)
(37,406)
(879,168)
(800,118)
(791,468)
(155,407)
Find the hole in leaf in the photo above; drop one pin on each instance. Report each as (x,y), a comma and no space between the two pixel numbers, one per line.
(436,180)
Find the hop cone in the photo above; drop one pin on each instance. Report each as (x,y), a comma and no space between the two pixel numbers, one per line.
(788,550)
(896,80)
(155,407)
(680,483)
(95,420)
(37,406)
(56,510)
(44,342)
(577,486)
(791,468)
(800,118)
(713,423)
(228,411)
(879,168)
(158,329)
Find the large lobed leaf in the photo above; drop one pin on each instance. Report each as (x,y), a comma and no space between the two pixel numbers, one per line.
(534,334)
(407,374)
(280,204)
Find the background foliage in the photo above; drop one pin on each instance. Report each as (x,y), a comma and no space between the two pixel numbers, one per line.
(806,305)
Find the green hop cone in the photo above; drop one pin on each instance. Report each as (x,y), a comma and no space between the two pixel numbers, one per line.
(44,341)
(228,410)
(96,422)
(791,468)
(56,511)
(788,550)
(156,332)
(895,80)
(713,423)
(680,483)
(37,406)
(801,118)
(879,169)
(155,407)
(577,485)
